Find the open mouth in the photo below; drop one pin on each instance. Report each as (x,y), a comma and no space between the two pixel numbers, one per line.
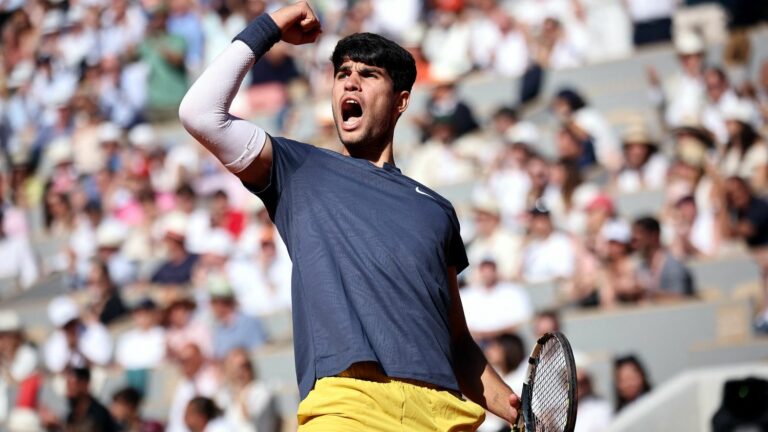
(351,112)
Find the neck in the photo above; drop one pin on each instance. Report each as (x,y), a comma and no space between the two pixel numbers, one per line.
(377,154)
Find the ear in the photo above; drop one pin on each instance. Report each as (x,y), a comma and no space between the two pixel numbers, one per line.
(403,99)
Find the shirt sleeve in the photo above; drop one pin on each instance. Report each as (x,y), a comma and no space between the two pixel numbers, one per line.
(456,255)
(287,157)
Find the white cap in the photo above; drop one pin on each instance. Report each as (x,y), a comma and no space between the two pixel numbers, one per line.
(109,132)
(218,243)
(523,132)
(62,310)
(110,234)
(53,21)
(484,201)
(24,420)
(142,136)
(687,43)
(175,224)
(9,321)
(739,110)
(617,231)
(21,74)
(59,151)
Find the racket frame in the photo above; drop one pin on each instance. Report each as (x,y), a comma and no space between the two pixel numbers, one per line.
(525,421)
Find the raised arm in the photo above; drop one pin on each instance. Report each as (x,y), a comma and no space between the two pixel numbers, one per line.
(243,147)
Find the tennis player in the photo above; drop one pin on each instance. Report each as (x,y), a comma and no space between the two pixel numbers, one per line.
(380,339)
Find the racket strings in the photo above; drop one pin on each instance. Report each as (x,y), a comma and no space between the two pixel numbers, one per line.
(550,401)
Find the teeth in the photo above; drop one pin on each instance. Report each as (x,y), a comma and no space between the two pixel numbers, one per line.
(350,101)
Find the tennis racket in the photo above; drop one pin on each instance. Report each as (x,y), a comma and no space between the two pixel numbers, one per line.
(549,391)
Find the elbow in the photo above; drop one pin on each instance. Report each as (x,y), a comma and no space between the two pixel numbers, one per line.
(189,113)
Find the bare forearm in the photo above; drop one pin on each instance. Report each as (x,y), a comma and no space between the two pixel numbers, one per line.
(480,382)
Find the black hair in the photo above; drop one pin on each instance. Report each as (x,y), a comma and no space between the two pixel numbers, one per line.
(375,50)
(186,190)
(507,111)
(129,396)
(82,374)
(649,224)
(514,350)
(633,360)
(205,407)
(571,97)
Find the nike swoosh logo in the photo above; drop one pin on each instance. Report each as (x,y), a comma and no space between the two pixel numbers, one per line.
(423,193)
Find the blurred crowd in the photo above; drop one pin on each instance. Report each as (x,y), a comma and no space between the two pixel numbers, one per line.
(169,264)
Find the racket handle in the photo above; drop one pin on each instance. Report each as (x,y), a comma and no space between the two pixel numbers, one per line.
(518,428)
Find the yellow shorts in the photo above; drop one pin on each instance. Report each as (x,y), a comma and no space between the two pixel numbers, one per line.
(362,398)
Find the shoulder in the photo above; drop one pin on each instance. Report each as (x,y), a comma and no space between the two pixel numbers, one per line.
(424,190)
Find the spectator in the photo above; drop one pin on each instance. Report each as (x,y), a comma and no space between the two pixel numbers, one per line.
(507,354)
(17,261)
(263,284)
(110,236)
(250,405)
(586,124)
(748,221)
(682,96)
(185,23)
(493,307)
(595,412)
(440,148)
(445,106)
(86,414)
(202,415)
(706,17)
(492,240)
(105,300)
(143,347)
(631,381)
(125,410)
(548,254)
(661,274)
(18,366)
(695,232)
(184,329)
(447,45)
(232,328)
(546,321)
(76,342)
(24,420)
(720,98)
(200,378)
(745,152)
(177,268)
(164,54)
(643,167)
(619,276)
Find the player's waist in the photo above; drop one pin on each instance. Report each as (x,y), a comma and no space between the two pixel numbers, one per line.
(371,371)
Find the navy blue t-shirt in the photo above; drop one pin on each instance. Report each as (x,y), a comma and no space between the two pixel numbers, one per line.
(370,250)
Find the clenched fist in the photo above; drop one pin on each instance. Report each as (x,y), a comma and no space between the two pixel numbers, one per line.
(298,23)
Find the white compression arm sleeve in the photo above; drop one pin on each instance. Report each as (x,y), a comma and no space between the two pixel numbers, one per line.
(204,111)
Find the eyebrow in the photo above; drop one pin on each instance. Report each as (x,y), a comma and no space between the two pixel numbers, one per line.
(363,69)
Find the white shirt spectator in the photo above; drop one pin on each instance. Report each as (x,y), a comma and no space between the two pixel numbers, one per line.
(497,308)
(712,115)
(503,246)
(447,48)
(253,409)
(594,415)
(119,34)
(206,383)
(395,17)
(604,137)
(454,168)
(548,259)
(17,261)
(261,291)
(510,57)
(94,345)
(138,349)
(652,176)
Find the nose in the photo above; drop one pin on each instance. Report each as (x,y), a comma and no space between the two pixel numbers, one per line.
(352,83)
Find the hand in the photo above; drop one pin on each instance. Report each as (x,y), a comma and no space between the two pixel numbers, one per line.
(298,23)
(653,76)
(514,409)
